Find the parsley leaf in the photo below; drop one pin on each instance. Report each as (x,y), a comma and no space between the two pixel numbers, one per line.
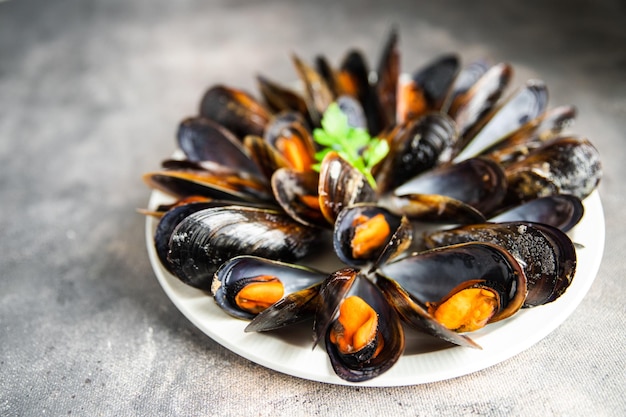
(353,144)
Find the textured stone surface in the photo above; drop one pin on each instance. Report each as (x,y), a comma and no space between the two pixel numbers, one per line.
(90,96)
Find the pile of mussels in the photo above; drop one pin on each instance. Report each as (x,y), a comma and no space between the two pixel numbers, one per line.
(494,170)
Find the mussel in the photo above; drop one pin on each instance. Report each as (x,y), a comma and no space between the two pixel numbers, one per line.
(204,240)
(547,254)
(245,286)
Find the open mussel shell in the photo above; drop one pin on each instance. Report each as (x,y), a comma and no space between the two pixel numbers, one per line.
(368,234)
(427,88)
(470,109)
(205,141)
(386,85)
(433,276)
(296,192)
(546,253)
(341,185)
(234,109)
(234,276)
(526,104)
(561,211)
(289,135)
(205,239)
(353,79)
(385,342)
(317,93)
(434,208)
(564,165)
(415,147)
(478,182)
(190,179)
(280,98)
(517,144)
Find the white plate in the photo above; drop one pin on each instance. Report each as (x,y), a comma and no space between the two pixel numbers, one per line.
(425,359)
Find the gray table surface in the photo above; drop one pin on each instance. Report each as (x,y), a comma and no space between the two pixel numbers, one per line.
(90,96)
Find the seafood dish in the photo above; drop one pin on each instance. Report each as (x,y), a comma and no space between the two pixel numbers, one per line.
(444,197)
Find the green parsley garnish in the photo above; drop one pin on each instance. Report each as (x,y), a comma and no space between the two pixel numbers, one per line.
(353,144)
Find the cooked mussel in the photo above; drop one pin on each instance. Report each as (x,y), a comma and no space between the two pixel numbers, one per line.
(462,287)
(362,332)
(547,254)
(368,234)
(245,286)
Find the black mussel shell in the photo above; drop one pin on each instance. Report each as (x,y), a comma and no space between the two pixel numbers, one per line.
(168,222)
(561,211)
(206,239)
(428,88)
(191,179)
(526,104)
(415,147)
(547,254)
(470,109)
(317,93)
(478,182)
(341,185)
(203,140)
(368,234)
(234,109)
(296,193)
(564,165)
(237,272)
(361,365)
(433,275)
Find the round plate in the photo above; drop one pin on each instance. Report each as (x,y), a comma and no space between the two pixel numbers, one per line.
(425,358)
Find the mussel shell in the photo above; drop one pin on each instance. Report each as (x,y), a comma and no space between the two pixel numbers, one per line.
(225,285)
(341,185)
(292,128)
(470,108)
(204,240)
(531,135)
(547,254)
(433,208)
(415,147)
(465,79)
(234,109)
(479,182)
(203,140)
(416,315)
(336,288)
(397,240)
(564,165)
(280,98)
(561,211)
(428,87)
(526,104)
(168,223)
(388,72)
(432,275)
(353,79)
(296,192)
(221,185)
(317,94)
